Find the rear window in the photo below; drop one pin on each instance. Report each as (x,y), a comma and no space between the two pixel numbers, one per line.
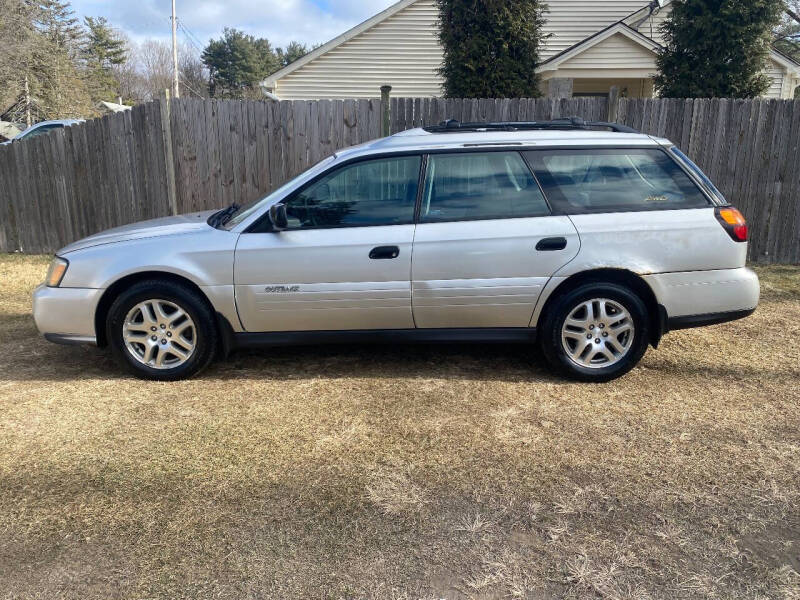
(614,180)
(710,187)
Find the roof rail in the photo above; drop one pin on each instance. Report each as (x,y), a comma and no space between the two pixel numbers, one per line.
(571,123)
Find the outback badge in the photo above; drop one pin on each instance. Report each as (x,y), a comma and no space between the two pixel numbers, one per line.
(282,289)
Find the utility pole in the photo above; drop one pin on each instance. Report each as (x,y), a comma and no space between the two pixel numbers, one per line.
(176,91)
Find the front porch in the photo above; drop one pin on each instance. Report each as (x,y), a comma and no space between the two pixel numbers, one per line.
(598,87)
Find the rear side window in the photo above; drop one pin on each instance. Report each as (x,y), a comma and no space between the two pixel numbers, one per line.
(614,180)
(479,186)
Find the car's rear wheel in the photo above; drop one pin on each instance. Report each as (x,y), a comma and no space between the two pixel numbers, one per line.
(596,332)
(162,330)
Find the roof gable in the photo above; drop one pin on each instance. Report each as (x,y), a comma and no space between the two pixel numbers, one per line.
(616,38)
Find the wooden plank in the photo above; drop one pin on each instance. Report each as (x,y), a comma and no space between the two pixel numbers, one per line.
(8,235)
(169,159)
(782,219)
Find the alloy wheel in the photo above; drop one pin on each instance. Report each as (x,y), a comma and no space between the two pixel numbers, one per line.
(159,334)
(598,333)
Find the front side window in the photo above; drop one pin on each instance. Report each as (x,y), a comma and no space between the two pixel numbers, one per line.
(479,186)
(614,180)
(368,193)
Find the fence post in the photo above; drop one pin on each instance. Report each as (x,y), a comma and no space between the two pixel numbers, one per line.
(613,104)
(166,133)
(386,110)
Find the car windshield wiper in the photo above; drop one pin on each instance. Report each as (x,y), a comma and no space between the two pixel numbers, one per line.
(218,219)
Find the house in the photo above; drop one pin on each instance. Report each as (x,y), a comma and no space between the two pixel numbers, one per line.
(592,46)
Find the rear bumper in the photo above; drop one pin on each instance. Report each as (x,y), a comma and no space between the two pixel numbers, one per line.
(66,315)
(699,298)
(688,322)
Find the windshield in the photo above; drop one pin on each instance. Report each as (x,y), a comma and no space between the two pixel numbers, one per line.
(248,209)
(709,185)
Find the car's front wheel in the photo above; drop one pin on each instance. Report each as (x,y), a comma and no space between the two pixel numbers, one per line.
(595,333)
(162,330)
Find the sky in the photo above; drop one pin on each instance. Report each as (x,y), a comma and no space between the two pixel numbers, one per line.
(280,21)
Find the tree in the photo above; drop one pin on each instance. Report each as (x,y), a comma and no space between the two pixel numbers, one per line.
(294,51)
(787,35)
(103,50)
(38,70)
(237,62)
(717,48)
(491,47)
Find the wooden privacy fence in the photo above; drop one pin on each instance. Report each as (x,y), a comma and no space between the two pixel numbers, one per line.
(186,155)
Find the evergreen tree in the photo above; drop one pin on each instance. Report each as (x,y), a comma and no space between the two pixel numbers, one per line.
(60,86)
(237,63)
(103,50)
(717,48)
(491,47)
(294,51)
(787,35)
(38,70)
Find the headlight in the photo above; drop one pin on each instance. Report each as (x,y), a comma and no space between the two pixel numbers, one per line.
(56,272)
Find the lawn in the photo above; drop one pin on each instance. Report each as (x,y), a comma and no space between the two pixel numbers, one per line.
(403,472)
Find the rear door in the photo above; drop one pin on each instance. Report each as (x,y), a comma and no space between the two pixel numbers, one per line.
(486,243)
(344,263)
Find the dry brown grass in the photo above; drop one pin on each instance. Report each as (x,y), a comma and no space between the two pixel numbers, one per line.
(403,472)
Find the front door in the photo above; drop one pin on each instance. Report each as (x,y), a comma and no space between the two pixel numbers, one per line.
(486,243)
(344,263)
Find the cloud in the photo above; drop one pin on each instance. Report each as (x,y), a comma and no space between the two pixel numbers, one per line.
(280,21)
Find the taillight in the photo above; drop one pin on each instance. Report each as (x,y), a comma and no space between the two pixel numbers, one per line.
(733,222)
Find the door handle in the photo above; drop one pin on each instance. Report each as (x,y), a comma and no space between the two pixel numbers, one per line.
(384,253)
(551,244)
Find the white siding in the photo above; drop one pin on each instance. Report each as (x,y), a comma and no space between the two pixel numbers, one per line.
(651,27)
(402,51)
(572,21)
(776,74)
(616,52)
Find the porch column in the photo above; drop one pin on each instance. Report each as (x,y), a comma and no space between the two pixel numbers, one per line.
(559,87)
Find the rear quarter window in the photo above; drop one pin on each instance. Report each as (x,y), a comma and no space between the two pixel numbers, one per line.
(581,181)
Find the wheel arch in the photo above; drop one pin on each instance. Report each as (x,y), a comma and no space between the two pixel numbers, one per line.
(114,290)
(624,277)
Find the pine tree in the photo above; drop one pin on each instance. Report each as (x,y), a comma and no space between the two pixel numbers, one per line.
(717,48)
(38,70)
(237,62)
(102,50)
(292,52)
(61,89)
(491,47)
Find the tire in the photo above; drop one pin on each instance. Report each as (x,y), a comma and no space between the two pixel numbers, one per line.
(612,350)
(162,331)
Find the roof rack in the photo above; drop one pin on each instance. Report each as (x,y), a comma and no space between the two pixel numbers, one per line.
(571,123)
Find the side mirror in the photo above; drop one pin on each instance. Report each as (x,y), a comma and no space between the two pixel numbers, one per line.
(278,217)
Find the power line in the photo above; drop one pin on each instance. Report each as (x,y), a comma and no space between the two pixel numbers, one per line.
(191,38)
(191,89)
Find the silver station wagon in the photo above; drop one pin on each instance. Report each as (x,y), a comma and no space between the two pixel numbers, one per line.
(589,239)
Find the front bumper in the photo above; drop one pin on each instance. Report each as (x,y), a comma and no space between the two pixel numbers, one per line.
(66,315)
